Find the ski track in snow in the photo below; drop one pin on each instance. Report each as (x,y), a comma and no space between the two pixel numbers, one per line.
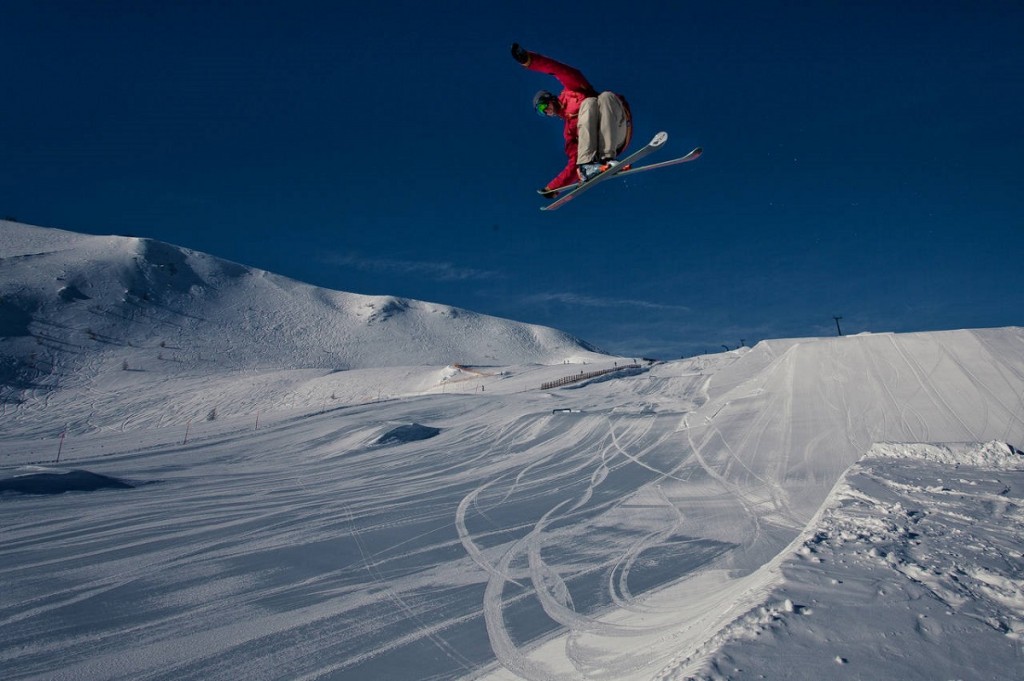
(302,550)
(614,542)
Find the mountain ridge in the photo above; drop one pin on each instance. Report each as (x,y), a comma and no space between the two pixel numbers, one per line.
(66,296)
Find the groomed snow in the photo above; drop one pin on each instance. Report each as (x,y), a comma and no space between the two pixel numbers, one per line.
(352,487)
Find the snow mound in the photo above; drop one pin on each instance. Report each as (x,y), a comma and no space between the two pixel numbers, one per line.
(59,482)
(413,432)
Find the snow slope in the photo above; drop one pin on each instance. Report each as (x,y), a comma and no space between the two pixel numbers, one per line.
(915,570)
(441,521)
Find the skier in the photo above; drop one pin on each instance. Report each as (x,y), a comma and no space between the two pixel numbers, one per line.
(598,125)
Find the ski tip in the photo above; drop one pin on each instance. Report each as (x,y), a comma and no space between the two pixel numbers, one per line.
(659,139)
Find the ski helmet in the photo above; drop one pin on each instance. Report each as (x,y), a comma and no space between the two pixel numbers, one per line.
(542,100)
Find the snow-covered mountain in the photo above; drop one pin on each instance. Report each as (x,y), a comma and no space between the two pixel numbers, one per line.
(145,294)
(76,309)
(808,508)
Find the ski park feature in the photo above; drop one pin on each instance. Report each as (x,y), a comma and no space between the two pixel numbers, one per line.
(325,485)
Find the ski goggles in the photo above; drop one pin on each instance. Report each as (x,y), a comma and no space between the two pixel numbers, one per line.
(544,106)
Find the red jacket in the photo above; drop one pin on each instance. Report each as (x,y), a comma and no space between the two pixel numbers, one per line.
(576,89)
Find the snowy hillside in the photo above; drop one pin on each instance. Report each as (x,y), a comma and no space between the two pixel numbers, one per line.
(79,310)
(808,508)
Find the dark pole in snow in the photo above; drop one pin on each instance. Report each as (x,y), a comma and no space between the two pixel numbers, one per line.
(838,330)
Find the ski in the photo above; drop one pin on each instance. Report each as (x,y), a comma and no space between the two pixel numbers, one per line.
(692,156)
(617,169)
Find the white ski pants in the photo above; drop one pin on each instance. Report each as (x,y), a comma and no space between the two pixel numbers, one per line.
(602,126)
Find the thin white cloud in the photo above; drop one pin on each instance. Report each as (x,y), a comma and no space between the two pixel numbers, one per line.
(577,300)
(438,271)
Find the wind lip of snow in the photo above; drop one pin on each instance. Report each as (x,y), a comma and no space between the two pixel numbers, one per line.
(992,454)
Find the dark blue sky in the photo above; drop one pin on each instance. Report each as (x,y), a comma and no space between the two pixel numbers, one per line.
(862,159)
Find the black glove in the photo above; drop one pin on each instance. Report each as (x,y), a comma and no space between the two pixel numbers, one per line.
(519,54)
(548,193)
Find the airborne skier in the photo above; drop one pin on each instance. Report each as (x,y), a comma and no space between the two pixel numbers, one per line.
(598,125)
